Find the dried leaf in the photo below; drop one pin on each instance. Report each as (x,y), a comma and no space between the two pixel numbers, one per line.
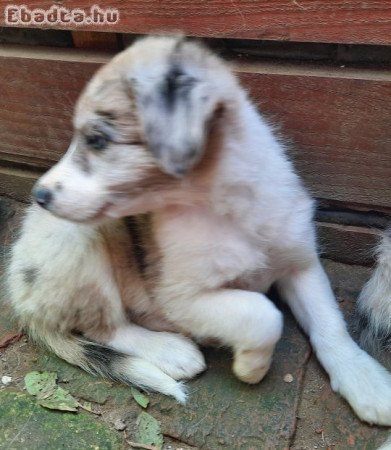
(9,339)
(40,382)
(149,431)
(59,399)
(140,398)
(44,386)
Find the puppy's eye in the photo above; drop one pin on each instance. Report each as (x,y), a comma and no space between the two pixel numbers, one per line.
(97,141)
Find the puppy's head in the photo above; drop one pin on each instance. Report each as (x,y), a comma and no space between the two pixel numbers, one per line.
(142,127)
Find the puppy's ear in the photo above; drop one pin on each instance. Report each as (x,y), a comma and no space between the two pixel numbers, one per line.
(175,110)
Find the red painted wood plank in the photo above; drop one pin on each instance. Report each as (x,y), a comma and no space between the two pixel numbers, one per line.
(338,21)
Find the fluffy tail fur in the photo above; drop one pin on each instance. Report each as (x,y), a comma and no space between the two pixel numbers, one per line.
(386,445)
(102,360)
(374,303)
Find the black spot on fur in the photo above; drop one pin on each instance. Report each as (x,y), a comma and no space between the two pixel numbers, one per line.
(362,320)
(106,362)
(30,275)
(170,86)
(374,340)
(100,354)
(133,225)
(176,86)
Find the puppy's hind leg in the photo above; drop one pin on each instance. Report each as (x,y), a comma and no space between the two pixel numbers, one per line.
(246,321)
(364,383)
(172,353)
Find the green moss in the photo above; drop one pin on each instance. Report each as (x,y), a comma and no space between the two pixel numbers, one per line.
(24,424)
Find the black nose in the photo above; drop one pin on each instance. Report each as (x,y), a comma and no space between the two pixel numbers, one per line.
(43,196)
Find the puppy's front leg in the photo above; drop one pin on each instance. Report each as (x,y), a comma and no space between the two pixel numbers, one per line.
(246,321)
(353,373)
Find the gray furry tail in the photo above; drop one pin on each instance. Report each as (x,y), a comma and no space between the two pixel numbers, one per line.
(374,303)
(104,361)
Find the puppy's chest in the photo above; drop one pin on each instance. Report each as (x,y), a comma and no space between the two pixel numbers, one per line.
(199,248)
(195,250)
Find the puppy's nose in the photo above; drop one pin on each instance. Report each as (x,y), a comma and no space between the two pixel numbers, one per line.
(42,195)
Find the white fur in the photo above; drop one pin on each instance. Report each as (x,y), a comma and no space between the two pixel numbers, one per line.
(172,353)
(353,373)
(386,445)
(224,235)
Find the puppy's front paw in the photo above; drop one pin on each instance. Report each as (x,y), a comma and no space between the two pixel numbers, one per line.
(176,355)
(366,385)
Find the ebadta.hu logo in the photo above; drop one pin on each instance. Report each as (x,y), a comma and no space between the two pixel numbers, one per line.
(59,15)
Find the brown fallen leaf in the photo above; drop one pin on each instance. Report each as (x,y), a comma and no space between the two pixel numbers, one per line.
(9,338)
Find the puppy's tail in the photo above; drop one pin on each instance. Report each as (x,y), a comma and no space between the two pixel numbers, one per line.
(104,361)
(386,445)
(374,303)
